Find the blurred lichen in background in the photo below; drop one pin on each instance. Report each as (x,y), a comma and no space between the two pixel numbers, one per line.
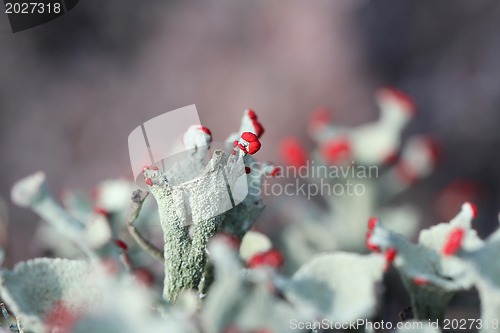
(221,276)
(355,194)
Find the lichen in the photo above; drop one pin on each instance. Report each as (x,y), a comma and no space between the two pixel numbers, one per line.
(372,157)
(222,276)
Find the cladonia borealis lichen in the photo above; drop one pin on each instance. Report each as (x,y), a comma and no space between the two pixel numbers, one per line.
(182,253)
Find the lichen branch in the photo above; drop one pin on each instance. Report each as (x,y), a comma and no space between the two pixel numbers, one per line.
(203,231)
(138,198)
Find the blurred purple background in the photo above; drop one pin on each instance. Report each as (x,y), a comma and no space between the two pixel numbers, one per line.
(72,90)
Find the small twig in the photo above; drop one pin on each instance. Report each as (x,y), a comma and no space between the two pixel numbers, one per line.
(14,327)
(5,314)
(208,278)
(138,198)
(20,329)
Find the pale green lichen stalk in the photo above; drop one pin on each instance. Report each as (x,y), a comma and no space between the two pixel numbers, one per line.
(185,256)
(194,200)
(185,244)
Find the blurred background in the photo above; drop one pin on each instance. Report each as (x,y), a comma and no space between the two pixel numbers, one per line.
(73,89)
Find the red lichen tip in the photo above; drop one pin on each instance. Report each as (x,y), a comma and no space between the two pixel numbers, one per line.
(420,281)
(391,157)
(110,265)
(144,276)
(473,208)
(252,144)
(249,137)
(390,255)
(149,182)
(144,168)
(102,211)
(319,118)
(61,318)
(257,126)
(276,171)
(235,143)
(434,147)
(369,245)
(206,130)
(247,170)
(454,242)
(372,222)
(400,96)
(232,241)
(121,244)
(271,258)
(155,168)
(251,114)
(293,153)
(406,173)
(335,151)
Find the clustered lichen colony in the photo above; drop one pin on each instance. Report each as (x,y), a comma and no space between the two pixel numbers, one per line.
(221,276)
